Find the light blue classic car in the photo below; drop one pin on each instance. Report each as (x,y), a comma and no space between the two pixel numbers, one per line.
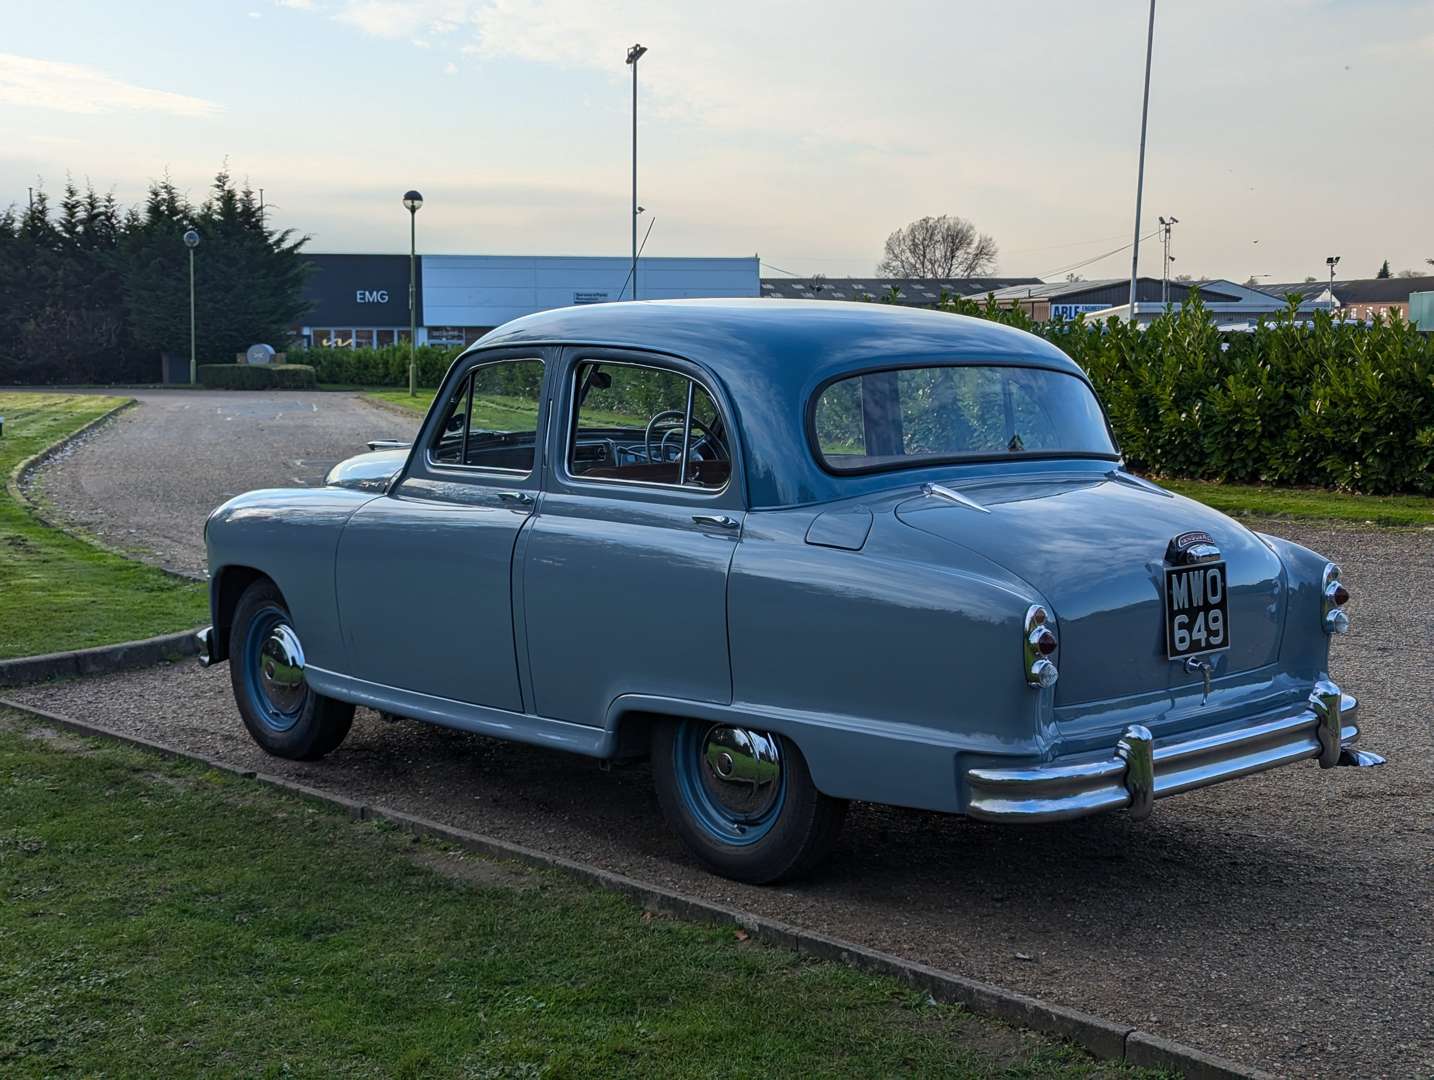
(796,553)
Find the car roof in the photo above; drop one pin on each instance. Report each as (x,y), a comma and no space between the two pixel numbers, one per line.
(771,356)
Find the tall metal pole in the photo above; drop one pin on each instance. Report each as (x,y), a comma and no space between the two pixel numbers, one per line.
(634,179)
(412,297)
(634,54)
(193,365)
(1140,175)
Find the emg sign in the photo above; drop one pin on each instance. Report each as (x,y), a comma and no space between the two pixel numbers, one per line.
(370,296)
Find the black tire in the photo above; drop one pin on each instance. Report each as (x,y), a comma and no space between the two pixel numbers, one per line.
(784,841)
(309,725)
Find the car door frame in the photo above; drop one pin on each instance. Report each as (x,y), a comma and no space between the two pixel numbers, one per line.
(563,421)
(431,479)
(561,429)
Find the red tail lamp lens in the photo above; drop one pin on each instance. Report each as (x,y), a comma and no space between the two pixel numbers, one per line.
(1341,595)
(1046,643)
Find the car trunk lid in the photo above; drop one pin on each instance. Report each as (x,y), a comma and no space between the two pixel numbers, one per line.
(1094,546)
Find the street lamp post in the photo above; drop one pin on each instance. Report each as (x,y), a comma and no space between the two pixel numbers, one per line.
(634,54)
(1331,261)
(412,200)
(191,241)
(1140,173)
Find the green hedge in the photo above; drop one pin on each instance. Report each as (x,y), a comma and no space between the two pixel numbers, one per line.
(257,376)
(387,366)
(1326,403)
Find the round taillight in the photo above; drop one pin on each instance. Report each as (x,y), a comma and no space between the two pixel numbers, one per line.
(1339,594)
(1045,642)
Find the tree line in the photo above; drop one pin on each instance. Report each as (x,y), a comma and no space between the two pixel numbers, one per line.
(94,292)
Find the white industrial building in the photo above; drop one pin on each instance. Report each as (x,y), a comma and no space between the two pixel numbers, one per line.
(362,300)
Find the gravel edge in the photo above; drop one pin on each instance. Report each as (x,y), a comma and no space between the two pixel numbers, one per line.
(1102,1038)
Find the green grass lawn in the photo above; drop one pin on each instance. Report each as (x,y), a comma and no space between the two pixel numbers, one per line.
(1253,500)
(163,920)
(57,592)
(418,403)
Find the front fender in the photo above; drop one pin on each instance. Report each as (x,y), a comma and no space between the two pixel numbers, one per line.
(289,536)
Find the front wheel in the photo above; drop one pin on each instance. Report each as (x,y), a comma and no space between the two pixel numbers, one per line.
(742,800)
(266,669)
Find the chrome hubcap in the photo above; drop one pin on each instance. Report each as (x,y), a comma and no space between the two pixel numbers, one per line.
(742,771)
(281,669)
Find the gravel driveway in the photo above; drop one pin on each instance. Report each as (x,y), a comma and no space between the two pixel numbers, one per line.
(145,481)
(1285,920)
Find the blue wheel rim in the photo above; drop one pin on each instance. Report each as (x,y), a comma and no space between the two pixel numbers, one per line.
(716,819)
(273,716)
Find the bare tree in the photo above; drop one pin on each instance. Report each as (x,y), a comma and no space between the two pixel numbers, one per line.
(938,247)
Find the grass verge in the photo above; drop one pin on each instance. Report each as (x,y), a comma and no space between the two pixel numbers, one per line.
(58,592)
(159,919)
(1254,500)
(418,403)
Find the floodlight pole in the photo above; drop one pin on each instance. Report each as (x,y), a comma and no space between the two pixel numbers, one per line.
(634,54)
(1140,173)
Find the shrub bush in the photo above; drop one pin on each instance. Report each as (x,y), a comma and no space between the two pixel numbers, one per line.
(387,366)
(257,376)
(1317,402)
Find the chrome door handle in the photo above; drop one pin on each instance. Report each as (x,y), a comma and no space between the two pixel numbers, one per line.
(717,521)
(519,498)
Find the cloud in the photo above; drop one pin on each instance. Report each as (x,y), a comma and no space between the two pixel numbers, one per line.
(76,88)
(397,19)
(450,68)
(298,5)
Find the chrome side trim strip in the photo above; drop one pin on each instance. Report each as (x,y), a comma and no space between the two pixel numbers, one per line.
(1141,770)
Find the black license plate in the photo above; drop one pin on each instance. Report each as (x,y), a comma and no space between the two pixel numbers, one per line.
(1197,618)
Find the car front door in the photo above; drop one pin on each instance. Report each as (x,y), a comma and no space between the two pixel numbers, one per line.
(624,568)
(424,574)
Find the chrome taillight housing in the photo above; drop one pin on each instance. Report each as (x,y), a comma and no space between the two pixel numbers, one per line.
(1334,597)
(1041,642)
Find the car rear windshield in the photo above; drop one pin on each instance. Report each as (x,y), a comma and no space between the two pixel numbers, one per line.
(920,415)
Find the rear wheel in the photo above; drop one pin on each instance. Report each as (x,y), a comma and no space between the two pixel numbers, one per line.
(266,669)
(742,800)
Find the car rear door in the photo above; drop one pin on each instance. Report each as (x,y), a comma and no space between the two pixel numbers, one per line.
(624,567)
(424,574)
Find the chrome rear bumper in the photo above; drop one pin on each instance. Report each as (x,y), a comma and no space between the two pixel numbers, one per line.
(1141,771)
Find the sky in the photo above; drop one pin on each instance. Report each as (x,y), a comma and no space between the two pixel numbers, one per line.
(1281,131)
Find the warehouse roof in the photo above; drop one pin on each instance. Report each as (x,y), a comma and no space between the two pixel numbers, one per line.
(918,292)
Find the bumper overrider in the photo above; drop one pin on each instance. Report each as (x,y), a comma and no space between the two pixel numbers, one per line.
(1142,769)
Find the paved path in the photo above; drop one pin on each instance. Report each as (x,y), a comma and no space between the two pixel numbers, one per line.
(1285,920)
(145,481)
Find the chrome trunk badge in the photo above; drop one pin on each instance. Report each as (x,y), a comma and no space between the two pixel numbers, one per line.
(1191,547)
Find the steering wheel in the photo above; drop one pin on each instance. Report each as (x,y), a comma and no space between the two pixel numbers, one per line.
(661,448)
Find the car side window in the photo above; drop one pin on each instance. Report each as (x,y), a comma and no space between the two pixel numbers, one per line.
(632,423)
(491,421)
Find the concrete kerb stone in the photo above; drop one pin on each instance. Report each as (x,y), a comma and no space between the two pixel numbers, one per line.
(100,660)
(1104,1039)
